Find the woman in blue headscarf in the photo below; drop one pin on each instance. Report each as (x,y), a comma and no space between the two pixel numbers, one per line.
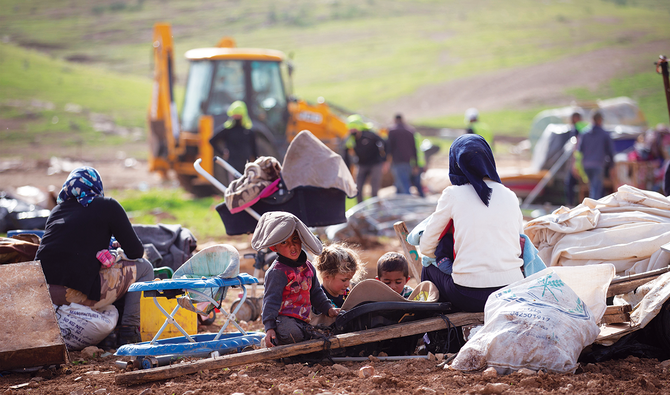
(486,221)
(79,229)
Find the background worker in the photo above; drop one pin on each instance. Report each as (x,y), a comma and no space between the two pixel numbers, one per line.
(420,164)
(370,154)
(596,148)
(475,126)
(236,143)
(571,176)
(402,154)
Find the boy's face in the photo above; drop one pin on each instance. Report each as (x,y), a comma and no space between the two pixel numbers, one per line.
(289,248)
(395,280)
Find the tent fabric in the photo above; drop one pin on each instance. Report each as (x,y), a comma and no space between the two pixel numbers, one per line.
(309,162)
(626,228)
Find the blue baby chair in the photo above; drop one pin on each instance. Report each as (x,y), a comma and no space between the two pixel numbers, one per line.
(205,278)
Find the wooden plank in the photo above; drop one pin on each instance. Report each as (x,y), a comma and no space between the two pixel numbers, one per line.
(410,251)
(29,332)
(623,285)
(616,314)
(339,341)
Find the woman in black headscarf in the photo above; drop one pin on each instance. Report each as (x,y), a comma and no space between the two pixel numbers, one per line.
(74,253)
(485,219)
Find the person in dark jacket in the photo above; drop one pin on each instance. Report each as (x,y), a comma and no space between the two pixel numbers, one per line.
(370,153)
(236,143)
(597,148)
(75,256)
(402,150)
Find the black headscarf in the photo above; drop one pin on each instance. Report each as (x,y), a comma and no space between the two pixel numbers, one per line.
(470,161)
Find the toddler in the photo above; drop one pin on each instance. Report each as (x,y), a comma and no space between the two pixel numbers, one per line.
(338,265)
(291,285)
(393,270)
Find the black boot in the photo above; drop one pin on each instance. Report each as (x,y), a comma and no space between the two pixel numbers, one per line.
(129,334)
(110,342)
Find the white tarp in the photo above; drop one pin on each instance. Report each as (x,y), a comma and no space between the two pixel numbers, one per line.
(626,228)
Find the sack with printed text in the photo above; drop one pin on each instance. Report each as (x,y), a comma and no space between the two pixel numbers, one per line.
(538,323)
(81,326)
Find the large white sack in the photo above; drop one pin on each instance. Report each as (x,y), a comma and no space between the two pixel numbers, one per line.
(81,326)
(537,323)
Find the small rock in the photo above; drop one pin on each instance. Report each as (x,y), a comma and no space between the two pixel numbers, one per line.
(374,392)
(592,384)
(665,364)
(299,392)
(33,384)
(366,371)
(146,391)
(378,379)
(431,357)
(494,388)
(490,373)
(100,391)
(570,387)
(632,358)
(340,368)
(382,354)
(91,352)
(425,390)
(372,358)
(527,372)
(439,356)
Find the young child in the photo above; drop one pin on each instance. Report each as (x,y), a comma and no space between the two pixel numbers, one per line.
(338,265)
(393,270)
(291,285)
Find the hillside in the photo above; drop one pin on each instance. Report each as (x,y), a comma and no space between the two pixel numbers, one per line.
(429,59)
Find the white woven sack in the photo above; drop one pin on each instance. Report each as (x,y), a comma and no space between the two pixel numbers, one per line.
(81,326)
(537,323)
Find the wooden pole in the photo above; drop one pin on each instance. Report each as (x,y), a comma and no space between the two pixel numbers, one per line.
(339,341)
(662,68)
(410,251)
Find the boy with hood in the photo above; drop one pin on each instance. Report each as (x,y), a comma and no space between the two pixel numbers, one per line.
(291,285)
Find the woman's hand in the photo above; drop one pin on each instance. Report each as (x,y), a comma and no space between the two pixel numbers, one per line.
(333,312)
(270,335)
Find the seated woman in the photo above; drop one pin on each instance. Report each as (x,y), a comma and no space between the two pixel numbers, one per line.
(486,221)
(78,228)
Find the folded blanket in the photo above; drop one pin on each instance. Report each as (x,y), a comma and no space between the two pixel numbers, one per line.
(259,180)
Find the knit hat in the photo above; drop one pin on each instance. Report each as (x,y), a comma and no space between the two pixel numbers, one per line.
(275,227)
(355,121)
(238,108)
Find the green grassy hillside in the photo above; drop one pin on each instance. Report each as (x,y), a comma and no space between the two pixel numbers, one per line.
(354,53)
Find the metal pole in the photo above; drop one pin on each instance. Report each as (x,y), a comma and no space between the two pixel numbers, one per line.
(662,64)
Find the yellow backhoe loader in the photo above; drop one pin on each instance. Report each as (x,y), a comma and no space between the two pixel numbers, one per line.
(217,77)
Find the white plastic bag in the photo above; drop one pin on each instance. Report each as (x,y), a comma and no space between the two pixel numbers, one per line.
(537,323)
(81,326)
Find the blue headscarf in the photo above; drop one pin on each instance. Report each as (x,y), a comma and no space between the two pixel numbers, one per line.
(470,161)
(83,184)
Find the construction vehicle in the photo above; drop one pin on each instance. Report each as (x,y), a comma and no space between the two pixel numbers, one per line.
(217,77)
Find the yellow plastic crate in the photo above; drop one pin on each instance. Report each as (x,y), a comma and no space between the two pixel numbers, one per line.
(151,319)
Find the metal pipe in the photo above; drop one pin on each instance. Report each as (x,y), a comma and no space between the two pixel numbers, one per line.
(663,65)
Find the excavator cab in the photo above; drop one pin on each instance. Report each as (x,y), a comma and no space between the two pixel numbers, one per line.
(217,77)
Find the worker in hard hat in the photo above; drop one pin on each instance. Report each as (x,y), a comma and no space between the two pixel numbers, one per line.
(370,152)
(474,125)
(236,142)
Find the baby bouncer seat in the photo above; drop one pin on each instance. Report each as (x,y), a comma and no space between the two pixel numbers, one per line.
(203,279)
(313,185)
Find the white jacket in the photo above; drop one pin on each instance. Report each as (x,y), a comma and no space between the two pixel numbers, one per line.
(486,239)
